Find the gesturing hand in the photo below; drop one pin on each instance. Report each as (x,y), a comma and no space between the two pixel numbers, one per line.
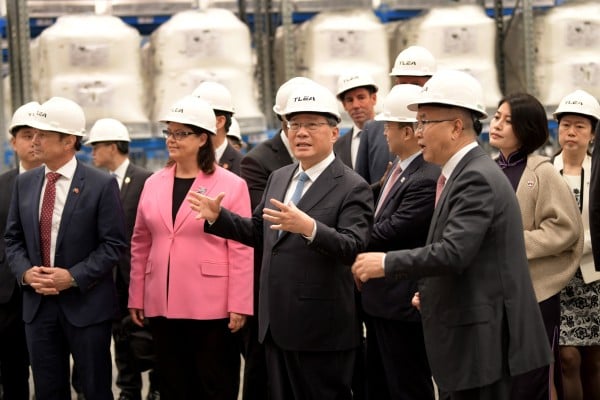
(206,207)
(289,218)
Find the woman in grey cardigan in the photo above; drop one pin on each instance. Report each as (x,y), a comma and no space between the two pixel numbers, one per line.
(552,224)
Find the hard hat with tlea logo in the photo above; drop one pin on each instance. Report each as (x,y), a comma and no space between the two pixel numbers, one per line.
(578,102)
(217,95)
(23,116)
(60,115)
(352,80)
(395,105)
(192,110)
(414,61)
(312,99)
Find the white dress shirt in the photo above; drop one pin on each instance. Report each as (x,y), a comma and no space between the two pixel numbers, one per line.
(63,184)
(120,172)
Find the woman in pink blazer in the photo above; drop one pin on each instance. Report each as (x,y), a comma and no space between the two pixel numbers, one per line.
(194,289)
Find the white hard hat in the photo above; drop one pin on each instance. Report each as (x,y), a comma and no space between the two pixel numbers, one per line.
(414,61)
(217,95)
(578,102)
(453,88)
(23,115)
(234,129)
(60,115)
(192,110)
(395,105)
(284,92)
(108,130)
(352,80)
(312,99)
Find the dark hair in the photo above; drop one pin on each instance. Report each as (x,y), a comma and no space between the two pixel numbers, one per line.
(528,120)
(372,89)
(593,121)
(78,139)
(227,115)
(205,157)
(122,147)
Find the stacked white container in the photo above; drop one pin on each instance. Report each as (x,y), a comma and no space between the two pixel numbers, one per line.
(568,51)
(198,45)
(334,42)
(460,37)
(95,61)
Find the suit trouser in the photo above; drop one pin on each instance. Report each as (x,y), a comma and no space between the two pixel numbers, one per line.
(255,367)
(308,375)
(14,358)
(196,359)
(51,339)
(397,365)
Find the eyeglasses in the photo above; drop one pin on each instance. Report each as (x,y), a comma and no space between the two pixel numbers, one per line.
(309,126)
(421,124)
(179,135)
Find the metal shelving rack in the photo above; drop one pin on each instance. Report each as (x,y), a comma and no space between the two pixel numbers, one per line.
(27,18)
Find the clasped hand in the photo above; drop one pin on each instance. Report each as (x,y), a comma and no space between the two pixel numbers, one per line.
(48,280)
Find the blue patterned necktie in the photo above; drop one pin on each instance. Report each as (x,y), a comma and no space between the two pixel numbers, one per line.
(297,195)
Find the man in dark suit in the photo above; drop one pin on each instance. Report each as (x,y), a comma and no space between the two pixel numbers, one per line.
(64,235)
(219,97)
(357,92)
(109,139)
(480,318)
(595,199)
(414,65)
(397,366)
(14,358)
(256,167)
(313,219)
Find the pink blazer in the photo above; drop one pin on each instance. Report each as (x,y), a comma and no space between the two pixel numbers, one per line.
(177,270)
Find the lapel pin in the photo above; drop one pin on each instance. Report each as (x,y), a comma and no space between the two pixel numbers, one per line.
(225,165)
(127,180)
(201,190)
(76,190)
(530,184)
(402,179)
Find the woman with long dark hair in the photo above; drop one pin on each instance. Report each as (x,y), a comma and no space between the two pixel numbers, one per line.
(194,289)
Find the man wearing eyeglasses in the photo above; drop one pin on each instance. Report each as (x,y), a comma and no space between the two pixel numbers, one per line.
(314,218)
(481,321)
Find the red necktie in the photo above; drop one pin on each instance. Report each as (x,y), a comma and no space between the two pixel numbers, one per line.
(439,187)
(388,187)
(46,216)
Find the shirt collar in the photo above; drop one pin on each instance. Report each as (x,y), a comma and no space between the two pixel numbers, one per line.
(220,150)
(121,169)
(451,164)
(355,131)
(67,170)
(316,170)
(406,162)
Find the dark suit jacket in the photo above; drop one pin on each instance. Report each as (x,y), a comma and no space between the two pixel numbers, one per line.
(133,183)
(373,152)
(257,165)
(479,312)
(231,159)
(8,283)
(306,295)
(90,240)
(595,200)
(402,223)
(343,148)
